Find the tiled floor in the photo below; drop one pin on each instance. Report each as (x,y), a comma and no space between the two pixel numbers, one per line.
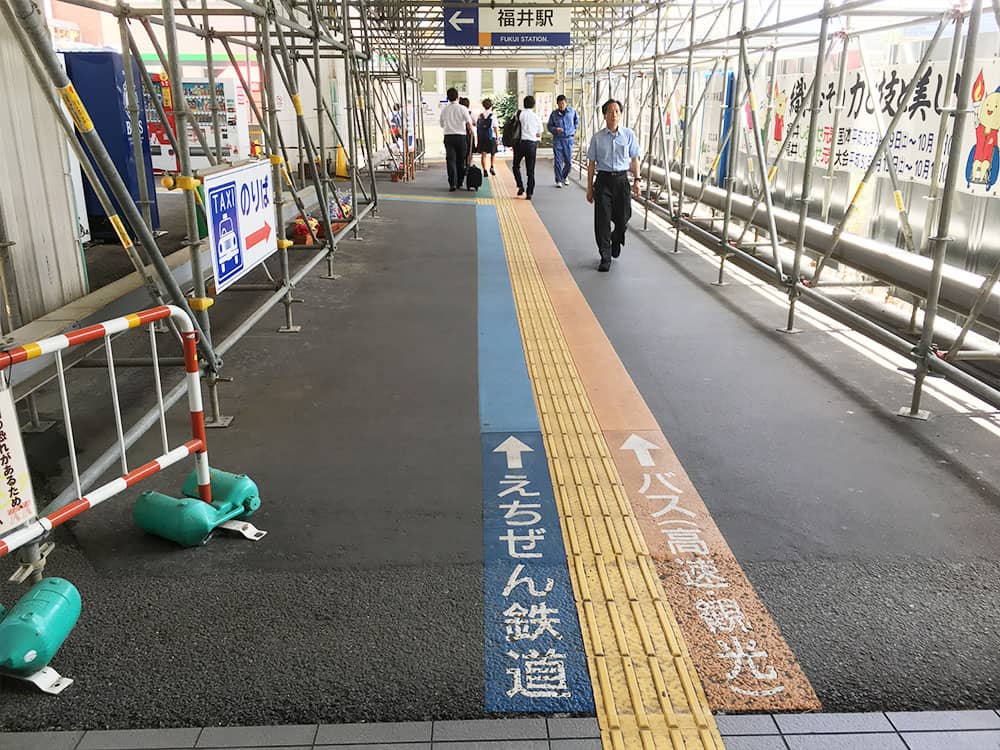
(517,734)
(929,730)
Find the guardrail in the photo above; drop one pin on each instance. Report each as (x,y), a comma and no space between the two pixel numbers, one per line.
(196,446)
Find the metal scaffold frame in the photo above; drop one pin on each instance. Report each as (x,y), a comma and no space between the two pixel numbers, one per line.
(655,57)
(332,43)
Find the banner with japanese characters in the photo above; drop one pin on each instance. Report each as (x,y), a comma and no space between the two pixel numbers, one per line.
(17,499)
(913,141)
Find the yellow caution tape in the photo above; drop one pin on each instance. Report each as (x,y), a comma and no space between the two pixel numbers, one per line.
(76,109)
(857,193)
(753,102)
(185,182)
(715,163)
(276,160)
(120,231)
(285,244)
(297,102)
(200,304)
(899,200)
(772,173)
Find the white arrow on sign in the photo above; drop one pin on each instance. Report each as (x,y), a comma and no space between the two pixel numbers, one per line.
(513,448)
(642,448)
(456,20)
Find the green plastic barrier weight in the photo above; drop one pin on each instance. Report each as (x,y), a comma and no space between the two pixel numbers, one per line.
(34,628)
(189,521)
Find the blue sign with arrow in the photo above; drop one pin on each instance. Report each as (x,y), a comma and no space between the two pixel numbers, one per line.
(461,26)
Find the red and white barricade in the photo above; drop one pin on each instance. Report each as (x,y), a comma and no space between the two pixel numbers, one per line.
(32,528)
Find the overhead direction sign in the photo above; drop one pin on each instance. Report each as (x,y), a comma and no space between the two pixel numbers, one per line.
(481,25)
(242,234)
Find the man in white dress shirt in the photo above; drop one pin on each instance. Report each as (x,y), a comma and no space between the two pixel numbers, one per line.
(527,147)
(457,124)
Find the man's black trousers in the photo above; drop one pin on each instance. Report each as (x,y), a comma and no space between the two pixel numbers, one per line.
(454,147)
(612,203)
(526,150)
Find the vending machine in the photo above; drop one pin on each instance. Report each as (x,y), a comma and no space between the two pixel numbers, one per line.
(99,78)
(234,122)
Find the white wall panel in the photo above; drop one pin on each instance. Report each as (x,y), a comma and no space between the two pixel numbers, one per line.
(35,192)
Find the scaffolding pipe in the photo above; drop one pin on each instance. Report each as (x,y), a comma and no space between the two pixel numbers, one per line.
(31,21)
(687,128)
(806,196)
(939,243)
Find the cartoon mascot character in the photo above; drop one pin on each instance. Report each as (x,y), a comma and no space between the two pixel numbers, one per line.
(983,166)
(780,108)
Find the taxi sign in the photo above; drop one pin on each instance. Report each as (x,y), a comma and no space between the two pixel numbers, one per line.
(241,220)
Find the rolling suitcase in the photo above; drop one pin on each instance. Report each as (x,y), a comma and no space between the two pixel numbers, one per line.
(474,178)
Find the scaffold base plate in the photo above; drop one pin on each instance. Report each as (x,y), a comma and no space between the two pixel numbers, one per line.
(219,422)
(922,414)
(788,330)
(247,530)
(45,679)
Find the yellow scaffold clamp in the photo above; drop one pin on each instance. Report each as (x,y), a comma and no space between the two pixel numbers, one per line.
(185,182)
(200,304)
(284,244)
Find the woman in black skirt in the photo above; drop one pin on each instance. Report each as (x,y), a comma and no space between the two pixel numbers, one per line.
(487,134)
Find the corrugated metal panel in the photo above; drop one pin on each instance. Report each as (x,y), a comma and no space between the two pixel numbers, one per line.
(35,192)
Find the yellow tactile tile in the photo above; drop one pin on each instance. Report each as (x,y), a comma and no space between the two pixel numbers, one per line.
(646,690)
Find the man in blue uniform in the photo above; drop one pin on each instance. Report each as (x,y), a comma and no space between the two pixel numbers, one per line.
(612,155)
(563,123)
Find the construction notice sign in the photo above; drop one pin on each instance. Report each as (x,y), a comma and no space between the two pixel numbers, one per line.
(240,209)
(17,499)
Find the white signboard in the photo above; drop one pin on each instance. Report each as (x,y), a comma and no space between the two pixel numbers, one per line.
(17,499)
(240,212)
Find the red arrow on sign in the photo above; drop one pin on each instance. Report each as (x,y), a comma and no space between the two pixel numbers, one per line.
(261,235)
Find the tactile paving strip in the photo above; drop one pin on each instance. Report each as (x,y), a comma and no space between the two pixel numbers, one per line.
(647,691)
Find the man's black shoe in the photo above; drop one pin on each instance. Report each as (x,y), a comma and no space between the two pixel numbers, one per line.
(528,197)
(605,265)
(452,189)
(520,191)
(616,249)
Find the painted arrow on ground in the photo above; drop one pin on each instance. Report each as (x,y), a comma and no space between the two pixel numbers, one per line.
(456,20)
(642,448)
(261,235)
(513,448)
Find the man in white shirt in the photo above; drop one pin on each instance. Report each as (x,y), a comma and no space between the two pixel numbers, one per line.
(527,147)
(457,124)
